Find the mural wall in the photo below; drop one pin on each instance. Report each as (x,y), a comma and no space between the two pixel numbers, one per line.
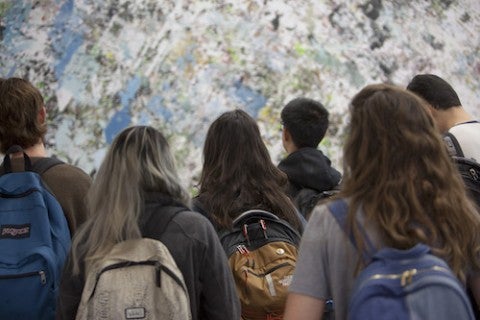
(176,65)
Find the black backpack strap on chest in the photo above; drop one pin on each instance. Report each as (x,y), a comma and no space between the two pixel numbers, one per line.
(452,144)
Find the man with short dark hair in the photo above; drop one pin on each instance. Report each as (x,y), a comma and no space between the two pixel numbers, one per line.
(23,118)
(450,116)
(461,132)
(309,171)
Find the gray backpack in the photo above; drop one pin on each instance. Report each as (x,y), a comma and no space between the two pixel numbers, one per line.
(138,279)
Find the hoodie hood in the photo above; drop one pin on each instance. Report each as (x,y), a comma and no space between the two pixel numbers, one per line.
(309,168)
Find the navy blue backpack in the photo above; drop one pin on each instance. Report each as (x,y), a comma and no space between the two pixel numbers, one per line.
(34,242)
(404,284)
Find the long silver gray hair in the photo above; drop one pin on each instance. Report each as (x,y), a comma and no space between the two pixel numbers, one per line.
(138,161)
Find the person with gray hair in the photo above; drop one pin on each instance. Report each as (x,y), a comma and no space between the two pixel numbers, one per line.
(135,186)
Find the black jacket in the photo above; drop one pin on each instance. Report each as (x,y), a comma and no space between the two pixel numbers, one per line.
(309,168)
(309,174)
(195,247)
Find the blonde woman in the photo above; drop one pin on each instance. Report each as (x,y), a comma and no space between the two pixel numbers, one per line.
(135,184)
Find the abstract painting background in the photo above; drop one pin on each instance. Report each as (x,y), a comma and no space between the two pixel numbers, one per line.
(176,65)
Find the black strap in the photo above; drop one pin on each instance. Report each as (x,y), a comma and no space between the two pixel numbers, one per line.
(43,164)
(7,164)
(40,166)
(452,144)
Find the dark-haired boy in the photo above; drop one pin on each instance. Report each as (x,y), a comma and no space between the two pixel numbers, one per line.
(460,130)
(309,171)
(450,116)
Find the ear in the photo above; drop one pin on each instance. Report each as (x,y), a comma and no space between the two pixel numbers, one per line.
(42,115)
(287,141)
(286,137)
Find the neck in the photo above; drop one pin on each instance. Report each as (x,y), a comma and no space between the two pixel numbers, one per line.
(36,151)
(451,117)
(290,148)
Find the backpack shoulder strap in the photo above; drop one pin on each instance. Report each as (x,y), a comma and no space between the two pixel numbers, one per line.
(7,165)
(43,164)
(40,166)
(452,144)
(339,210)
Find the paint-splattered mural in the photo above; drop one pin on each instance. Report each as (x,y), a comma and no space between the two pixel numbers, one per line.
(176,65)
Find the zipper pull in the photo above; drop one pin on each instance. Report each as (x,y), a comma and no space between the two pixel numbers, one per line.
(245,233)
(407,277)
(158,274)
(242,249)
(474,174)
(43,277)
(264,228)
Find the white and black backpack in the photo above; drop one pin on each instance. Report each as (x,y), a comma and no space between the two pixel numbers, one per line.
(468,168)
(137,279)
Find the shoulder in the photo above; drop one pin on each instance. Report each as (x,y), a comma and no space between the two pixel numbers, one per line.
(65,171)
(321,223)
(465,129)
(186,225)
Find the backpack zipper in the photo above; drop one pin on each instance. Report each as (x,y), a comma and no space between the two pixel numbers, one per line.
(153,263)
(19,195)
(41,273)
(406,276)
(285,264)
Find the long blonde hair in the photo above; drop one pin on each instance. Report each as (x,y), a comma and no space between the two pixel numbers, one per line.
(397,170)
(138,161)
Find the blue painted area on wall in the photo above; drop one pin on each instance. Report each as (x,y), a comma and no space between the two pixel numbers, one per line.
(65,41)
(252,100)
(156,106)
(122,118)
(15,16)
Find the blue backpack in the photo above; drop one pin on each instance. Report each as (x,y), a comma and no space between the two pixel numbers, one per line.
(34,242)
(404,284)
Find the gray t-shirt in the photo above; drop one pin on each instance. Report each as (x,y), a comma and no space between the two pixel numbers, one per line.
(327,262)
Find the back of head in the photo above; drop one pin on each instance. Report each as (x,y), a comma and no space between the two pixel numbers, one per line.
(399,171)
(306,120)
(436,91)
(233,150)
(389,128)
(20,104)
(238,173)
(138,161)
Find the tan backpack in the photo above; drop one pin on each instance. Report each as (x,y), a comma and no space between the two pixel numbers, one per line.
(262,252)
(138,279)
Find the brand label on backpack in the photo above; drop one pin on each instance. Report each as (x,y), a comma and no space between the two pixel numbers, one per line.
(15,231)
(135,313)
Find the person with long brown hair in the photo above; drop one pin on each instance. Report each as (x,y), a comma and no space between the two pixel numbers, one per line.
(238,179)
(401,188)
(238,173)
